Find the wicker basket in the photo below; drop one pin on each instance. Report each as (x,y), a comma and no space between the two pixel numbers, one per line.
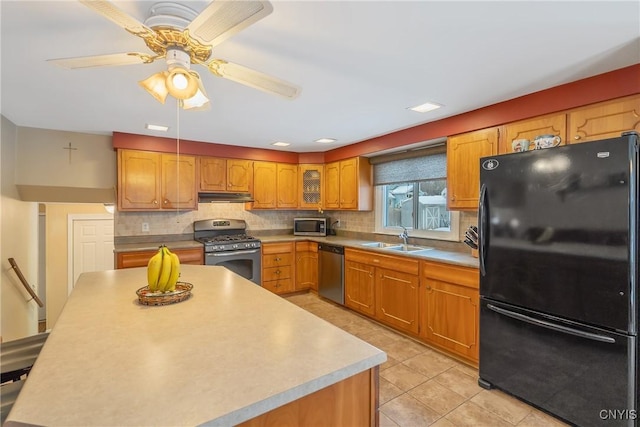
(182,292)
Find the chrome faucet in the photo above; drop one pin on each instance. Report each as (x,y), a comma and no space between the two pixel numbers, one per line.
(404,235)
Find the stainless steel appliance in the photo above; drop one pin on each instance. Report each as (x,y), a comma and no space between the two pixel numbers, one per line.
(311,226)
(227,244)
(331,272)
(559,244)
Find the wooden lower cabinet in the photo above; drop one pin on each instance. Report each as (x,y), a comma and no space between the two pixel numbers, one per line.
(384,287)
(397,297)
(435,302)
(449,308)
(141,258)
(359,287)
(278,269)
(350,402)
(306,266)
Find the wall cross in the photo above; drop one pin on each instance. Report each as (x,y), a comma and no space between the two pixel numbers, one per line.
(70,148)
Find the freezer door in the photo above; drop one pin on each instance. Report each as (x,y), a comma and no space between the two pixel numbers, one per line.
(584,375)
(555,231)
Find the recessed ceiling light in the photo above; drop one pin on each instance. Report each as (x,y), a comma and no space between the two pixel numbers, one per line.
(325,140)
(157,127)
(427,106)
(280,144)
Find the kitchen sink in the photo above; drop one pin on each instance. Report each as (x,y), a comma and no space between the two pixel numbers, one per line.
(416,250)
(382,245)
(408,248)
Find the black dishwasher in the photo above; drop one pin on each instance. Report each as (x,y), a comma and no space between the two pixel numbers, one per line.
(331,272)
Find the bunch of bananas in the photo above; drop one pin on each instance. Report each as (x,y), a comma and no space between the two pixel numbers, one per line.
(163,271)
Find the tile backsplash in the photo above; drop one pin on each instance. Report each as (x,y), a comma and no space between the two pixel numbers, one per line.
(181,222)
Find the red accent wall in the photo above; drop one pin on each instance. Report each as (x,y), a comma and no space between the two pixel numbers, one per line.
(614,84)
(168,145)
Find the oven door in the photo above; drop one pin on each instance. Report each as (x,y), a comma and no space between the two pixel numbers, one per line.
(246,263)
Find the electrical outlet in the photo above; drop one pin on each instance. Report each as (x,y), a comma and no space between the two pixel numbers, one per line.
(145,227)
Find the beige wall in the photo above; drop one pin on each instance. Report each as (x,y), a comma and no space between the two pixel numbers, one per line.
(18,240)
(44,160)
(57,217)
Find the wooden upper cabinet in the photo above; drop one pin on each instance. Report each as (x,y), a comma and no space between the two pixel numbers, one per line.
(179,182)
(275,185)
(310,186)
(348,184)
(604,120)
(287,185)
(332,185)
(264,185)
(152,181)
(239,175)
(213,174)
(138,180)
(231,175)
(555,124)
(463,166)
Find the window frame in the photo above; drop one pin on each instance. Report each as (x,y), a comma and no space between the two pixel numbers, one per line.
(453,235)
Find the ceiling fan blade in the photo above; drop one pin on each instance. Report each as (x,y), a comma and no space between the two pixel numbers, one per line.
(255,79)
(103,60)
(222,19)
(120,18)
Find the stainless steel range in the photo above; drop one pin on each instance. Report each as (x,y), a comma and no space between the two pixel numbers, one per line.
(227,244)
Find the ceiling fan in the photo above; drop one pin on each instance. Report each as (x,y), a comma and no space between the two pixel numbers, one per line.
(183,37)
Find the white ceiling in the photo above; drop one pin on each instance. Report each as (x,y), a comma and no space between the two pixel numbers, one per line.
(360,65)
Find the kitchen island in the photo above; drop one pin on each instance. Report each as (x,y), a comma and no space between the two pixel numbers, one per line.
(232,353)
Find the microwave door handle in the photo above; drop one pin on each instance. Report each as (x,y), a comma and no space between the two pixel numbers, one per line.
(234,253)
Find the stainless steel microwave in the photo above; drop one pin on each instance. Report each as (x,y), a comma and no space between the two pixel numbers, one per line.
(310,226)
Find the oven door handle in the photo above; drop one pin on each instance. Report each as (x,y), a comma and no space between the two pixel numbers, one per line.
(232,253)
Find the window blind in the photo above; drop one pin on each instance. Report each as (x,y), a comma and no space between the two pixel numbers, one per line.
(432,166)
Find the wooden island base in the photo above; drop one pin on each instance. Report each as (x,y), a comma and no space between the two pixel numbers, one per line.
(350,402)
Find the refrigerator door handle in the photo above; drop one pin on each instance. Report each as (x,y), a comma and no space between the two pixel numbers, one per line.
(552,326)
(483,233)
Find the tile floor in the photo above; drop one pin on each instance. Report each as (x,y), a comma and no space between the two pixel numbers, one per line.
(420,386)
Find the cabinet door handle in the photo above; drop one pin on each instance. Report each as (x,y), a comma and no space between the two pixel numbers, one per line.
(577,137)
(453,198)
(166,201)
(277,271)
(155,202)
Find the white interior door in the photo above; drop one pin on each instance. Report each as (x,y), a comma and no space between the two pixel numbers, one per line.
(92,245)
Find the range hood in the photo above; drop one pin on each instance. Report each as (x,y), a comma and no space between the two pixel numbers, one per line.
(224,197)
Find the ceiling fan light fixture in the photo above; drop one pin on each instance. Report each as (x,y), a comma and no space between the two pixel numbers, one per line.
(156,86)
(181,83)
(199,101)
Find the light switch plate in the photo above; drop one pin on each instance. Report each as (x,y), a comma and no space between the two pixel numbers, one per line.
(145,227)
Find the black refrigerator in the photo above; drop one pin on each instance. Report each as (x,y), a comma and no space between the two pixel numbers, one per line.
(558,255)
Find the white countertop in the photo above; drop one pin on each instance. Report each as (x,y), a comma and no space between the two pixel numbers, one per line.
(229,353)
